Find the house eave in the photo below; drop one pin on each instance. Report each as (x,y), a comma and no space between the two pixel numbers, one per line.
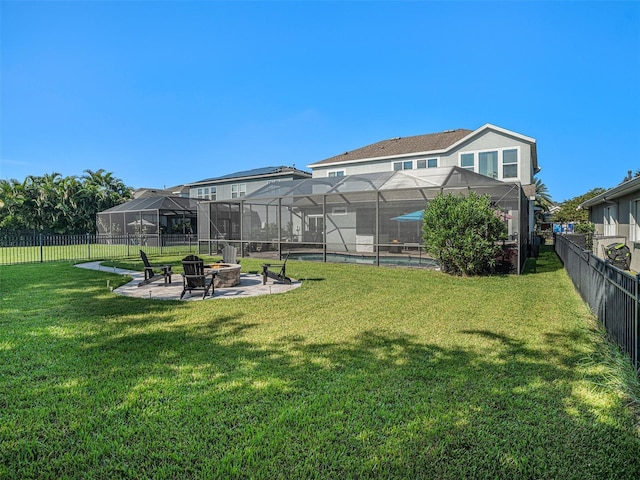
(613,193)
(379,159)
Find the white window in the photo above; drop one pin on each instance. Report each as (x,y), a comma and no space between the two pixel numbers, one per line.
(207,193)
(316,223)
(238,190)
(405,165)
(488,164)
(335,173)
(510,163)
(428,163)
(467,161)
(501,164)
(610,229)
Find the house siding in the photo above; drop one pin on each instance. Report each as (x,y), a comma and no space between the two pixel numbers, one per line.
(491,141)
(223,189)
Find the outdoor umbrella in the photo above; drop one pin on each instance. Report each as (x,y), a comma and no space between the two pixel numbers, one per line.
(145,223)
(410,217)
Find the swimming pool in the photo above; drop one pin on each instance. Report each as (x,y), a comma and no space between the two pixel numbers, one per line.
(402,260)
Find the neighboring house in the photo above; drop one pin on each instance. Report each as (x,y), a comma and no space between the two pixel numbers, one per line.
(552,211)
(173,209)
(150,192)
(616,215)
(238,184)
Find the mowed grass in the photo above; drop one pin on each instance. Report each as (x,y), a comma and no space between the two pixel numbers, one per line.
(362,372)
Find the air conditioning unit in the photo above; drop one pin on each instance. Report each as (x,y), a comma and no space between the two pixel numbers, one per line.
(619,255)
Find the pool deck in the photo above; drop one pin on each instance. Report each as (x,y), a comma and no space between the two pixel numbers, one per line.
(250,286)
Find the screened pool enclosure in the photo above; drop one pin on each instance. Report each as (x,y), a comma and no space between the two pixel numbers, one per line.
(373,218)
(146,220)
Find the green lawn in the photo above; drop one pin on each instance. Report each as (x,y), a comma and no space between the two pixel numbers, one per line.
(363,372)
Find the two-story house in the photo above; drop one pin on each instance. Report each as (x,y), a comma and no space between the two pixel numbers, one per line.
(492,151)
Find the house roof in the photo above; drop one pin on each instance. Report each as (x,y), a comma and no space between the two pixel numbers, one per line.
(150,192)
(399,146)
(432,143)
(621,190)
(254,173)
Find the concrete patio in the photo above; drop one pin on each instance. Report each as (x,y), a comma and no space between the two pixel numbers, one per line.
(250,286)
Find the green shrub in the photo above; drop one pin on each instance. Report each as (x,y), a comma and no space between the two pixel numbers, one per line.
(587,227)
(462,232)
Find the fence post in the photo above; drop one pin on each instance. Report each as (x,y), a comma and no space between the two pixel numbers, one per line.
(88,248)
(41,249)
(128,243)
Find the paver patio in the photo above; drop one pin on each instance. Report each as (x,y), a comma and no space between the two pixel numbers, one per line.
(250,285)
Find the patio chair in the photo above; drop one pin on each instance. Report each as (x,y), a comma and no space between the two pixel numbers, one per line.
(194,278)
(229,255)
(150,275)
(280,276)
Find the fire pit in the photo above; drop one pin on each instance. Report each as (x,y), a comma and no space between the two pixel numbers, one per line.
(228,274)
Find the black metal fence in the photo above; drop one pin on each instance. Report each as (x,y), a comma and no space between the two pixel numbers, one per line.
(612,294)
(33,247)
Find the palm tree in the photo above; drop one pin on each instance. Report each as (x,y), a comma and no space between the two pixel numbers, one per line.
(12,199)
(543,199)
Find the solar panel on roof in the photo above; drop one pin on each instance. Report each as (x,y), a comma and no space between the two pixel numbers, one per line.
(246,173)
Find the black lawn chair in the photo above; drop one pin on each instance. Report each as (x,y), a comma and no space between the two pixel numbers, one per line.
(149,274)
(280,276)
(194,278)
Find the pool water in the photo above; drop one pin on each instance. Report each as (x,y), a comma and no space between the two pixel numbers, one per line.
(410,261)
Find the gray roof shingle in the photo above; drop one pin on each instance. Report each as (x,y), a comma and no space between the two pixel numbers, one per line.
(401,145)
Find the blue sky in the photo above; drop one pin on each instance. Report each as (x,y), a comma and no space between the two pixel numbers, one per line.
(164,93)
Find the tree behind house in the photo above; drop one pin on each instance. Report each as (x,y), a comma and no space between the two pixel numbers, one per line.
(569,208)
(55,204)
